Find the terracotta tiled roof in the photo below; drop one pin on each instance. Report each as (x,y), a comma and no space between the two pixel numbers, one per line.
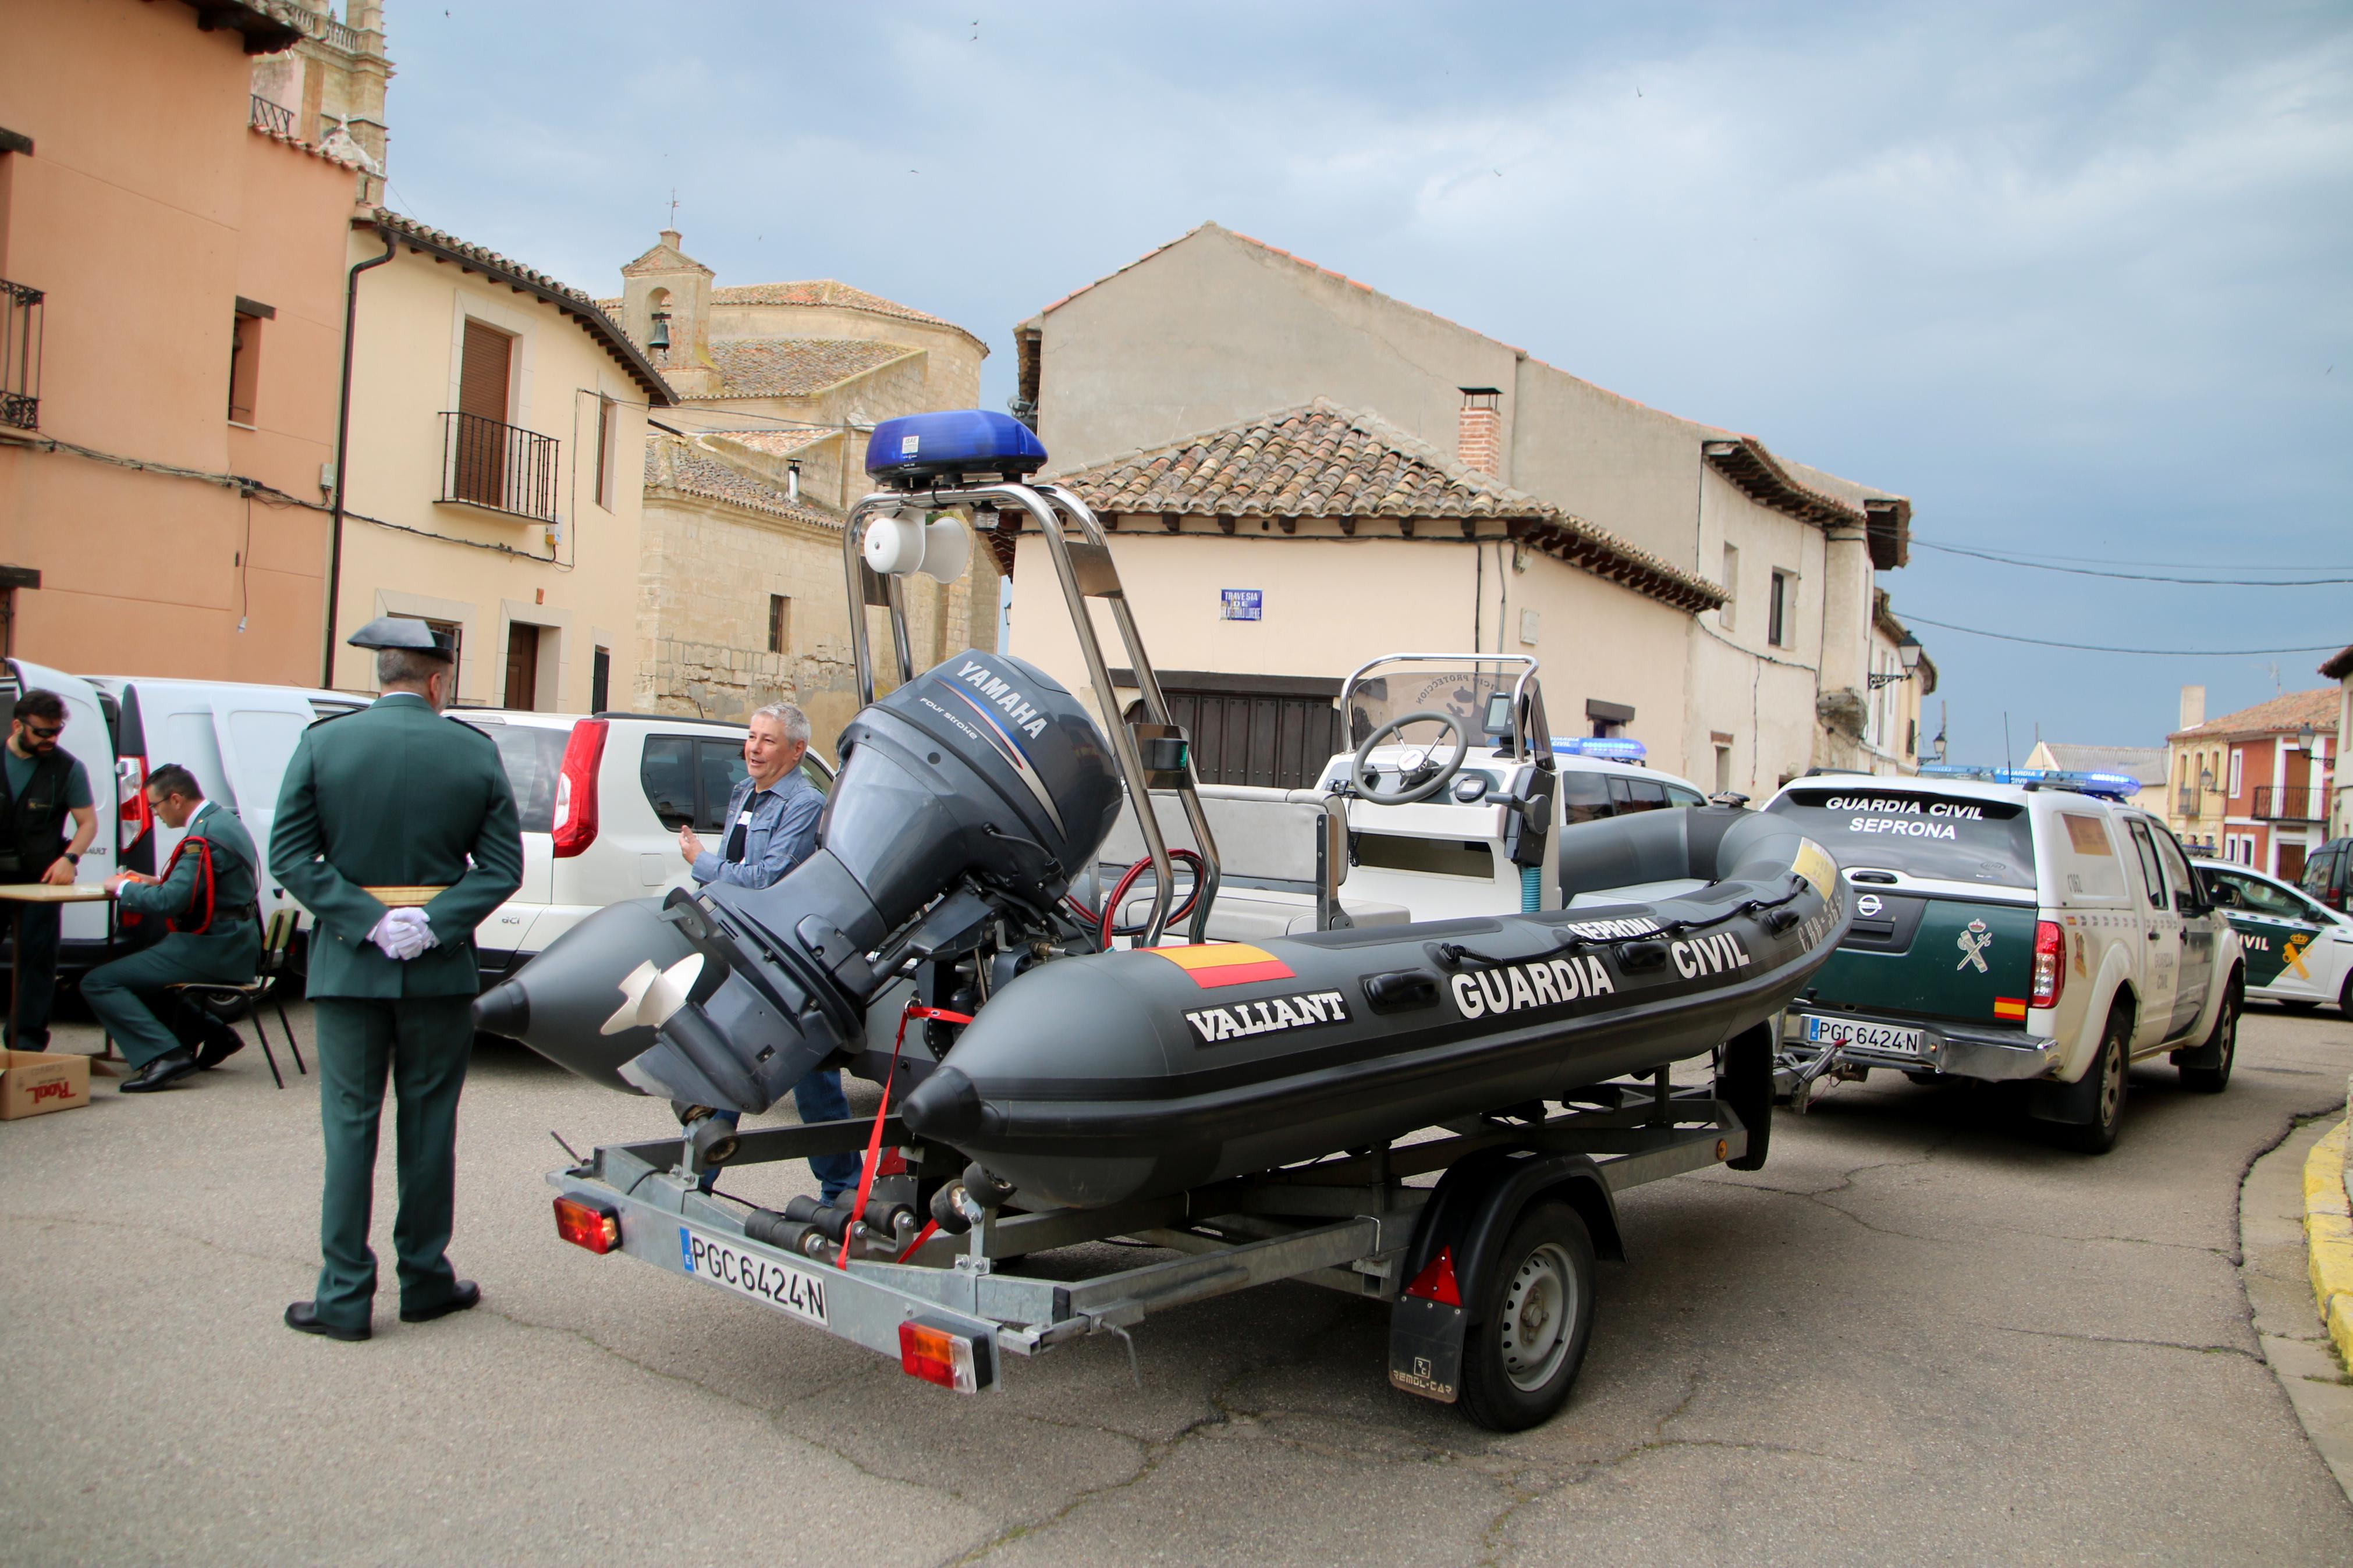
(524,279)
(773,442)
(796,367)
(2285,713)
(683,465)
(828,292)
(2146,763)
(1320,460)
(2340,665)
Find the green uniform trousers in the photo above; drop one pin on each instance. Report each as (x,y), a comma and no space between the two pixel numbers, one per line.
(128,998)
(425,1042)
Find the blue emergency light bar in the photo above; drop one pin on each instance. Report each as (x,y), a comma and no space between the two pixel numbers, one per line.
(2111,786)
(1615,748)
(906,452)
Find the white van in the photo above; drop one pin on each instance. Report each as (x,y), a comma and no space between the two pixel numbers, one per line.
(235,736)
(601,799)
(84,929)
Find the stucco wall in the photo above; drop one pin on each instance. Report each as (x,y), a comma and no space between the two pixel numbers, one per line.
(1332,603)
(483,569)
(145,210)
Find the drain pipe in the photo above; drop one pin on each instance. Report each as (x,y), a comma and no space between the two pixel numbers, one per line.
(342,452)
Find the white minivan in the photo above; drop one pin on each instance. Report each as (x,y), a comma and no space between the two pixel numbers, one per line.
(84,929)
(601,799)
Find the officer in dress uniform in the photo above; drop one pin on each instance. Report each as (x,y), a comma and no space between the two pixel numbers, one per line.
(397,830)
(206,894)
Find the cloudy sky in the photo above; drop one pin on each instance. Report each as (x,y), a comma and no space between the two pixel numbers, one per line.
(2074,277)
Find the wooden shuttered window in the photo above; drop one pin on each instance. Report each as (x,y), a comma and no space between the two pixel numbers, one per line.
(478,459)
(482,375)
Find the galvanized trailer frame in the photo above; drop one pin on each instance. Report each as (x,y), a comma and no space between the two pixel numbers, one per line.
(1345,1223)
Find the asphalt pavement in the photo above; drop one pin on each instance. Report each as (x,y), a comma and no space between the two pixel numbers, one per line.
(1918,1334)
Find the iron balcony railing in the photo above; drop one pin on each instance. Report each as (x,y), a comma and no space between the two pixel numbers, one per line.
(501,466)
(20,356)
(274,117)
(2291,803)
(2186,802)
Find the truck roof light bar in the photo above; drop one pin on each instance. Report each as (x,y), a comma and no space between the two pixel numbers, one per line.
(2109,786)
(1614,748)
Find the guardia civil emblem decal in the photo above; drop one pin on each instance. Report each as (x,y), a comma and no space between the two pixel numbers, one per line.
(1973,944)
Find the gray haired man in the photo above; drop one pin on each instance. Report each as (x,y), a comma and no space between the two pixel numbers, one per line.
(771,827)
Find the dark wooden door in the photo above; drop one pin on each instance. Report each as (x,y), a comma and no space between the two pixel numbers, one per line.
(523,666)
(479,461)
(1279,740)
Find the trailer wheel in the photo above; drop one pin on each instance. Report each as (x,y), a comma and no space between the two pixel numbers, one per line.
(1522,1353)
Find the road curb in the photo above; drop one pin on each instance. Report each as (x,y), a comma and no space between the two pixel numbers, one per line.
(2329,1235)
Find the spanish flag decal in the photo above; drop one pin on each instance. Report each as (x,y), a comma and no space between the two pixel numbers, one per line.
(2013,1007)
(1216,963)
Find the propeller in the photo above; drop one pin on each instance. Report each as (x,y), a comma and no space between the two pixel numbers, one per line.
(649,996)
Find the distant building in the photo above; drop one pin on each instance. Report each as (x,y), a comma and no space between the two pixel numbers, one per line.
(2254,786)
(171,327)
(1766,670)
(496,422)
(329,87)
(741,598)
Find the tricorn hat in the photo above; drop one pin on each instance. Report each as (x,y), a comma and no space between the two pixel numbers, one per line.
(404,632)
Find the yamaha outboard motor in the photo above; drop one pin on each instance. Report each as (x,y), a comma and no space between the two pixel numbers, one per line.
(967,800)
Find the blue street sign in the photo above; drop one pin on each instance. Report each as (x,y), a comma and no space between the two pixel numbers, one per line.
(1238,604)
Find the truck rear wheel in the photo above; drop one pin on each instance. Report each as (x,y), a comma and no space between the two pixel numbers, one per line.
(2221,1050)
(2099,1100)
(1522,1353)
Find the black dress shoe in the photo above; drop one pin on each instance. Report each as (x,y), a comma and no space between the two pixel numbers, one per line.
(462,1295)
(162,1073)
(302,1317)
(220,1043)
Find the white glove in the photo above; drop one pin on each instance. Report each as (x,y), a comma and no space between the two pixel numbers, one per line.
(404,933)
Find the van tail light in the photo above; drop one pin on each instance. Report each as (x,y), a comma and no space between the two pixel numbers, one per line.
(133,815)
(576,788)
(2050,962)
(945,1356)
(588,1224)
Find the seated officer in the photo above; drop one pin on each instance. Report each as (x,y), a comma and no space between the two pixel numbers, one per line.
(205,896)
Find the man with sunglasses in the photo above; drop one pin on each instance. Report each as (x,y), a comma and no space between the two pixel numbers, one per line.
(46,787)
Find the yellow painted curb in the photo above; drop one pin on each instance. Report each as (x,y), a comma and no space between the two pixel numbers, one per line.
(2329,1236)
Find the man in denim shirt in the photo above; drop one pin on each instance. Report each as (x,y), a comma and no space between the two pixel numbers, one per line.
(769,828)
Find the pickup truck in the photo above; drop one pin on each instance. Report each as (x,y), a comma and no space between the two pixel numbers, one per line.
(2016,925)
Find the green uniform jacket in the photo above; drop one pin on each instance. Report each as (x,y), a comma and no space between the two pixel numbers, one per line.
(233,946)
(395,796)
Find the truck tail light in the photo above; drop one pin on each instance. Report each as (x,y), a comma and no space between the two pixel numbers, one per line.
(2050,962)
(133,815)
(589,1225)
(945,1356)
(576,788)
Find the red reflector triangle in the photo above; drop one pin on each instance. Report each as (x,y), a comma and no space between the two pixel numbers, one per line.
(1436,1283)
(892,1164)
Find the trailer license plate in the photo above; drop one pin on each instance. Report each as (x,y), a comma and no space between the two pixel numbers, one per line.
(1838,1033)
(787,1289)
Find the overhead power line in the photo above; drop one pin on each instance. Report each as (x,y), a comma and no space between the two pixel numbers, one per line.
(2030,556)
(2102,647)
(2147,577)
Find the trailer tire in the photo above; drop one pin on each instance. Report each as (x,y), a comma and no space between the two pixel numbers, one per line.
(1535,1314)
(1744,1082)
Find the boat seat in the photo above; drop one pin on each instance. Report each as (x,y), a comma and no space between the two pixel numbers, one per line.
(1252,915)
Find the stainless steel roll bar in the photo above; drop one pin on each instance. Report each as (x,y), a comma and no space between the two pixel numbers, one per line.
(1084,569)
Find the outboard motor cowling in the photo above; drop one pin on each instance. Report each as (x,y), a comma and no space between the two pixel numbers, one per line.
(982,780)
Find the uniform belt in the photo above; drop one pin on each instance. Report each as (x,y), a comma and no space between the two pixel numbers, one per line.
(405,898)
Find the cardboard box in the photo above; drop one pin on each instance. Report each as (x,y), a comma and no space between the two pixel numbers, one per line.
(33,1083)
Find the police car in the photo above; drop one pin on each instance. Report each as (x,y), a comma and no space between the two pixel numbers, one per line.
(2016,925)
(2298,951)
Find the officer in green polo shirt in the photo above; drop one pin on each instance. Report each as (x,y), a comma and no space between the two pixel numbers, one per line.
(397,830)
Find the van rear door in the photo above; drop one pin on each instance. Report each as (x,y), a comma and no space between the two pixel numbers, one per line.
(254,733)
(89,740)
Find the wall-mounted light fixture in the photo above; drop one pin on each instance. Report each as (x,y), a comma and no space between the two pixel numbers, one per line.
(1907,651)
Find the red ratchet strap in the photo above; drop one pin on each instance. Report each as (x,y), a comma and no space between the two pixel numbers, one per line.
(881,1111)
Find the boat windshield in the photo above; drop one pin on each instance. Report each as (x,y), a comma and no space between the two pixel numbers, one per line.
(1479,700)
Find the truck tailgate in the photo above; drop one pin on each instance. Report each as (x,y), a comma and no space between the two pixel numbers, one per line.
(1932,957)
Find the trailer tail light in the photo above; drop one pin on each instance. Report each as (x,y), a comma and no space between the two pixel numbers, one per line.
(589,1225)
(945,1356)
(1437,1282)
(2050,962)
(576,788)
(133,815)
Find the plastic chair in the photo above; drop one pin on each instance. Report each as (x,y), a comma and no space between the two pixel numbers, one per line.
(263,986)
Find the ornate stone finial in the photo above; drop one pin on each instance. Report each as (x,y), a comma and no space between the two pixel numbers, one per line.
(338,146)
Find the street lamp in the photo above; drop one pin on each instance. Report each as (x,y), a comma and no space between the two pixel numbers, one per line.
(2305,737)
(1907,651)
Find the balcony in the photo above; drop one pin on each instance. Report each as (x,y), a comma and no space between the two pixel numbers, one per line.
(2291,803)
(501,467)
(20,356)
(274,117)
(2187,801)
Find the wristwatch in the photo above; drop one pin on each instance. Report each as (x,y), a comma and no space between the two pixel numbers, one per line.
(72,856)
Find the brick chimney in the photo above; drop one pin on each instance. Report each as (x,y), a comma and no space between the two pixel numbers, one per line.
(1479,441)
(2193,707)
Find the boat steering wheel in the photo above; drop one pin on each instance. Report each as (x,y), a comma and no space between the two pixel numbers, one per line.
(1367,777)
